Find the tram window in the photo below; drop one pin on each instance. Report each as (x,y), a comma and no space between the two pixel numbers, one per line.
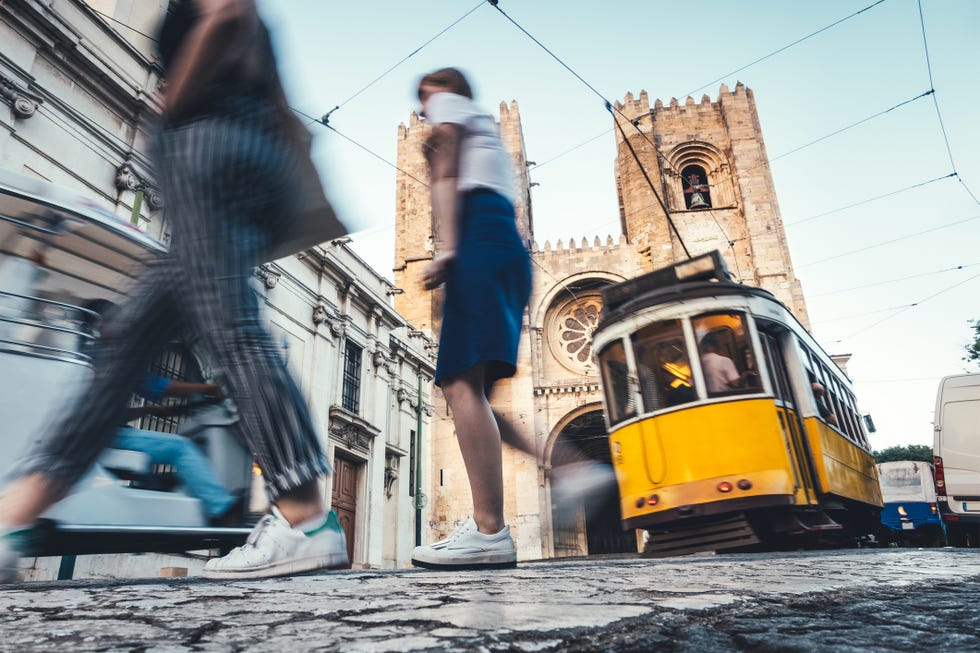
(620,401)
(727,359)
(663,366)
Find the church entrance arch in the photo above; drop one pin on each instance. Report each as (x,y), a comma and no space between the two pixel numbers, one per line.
(591,525)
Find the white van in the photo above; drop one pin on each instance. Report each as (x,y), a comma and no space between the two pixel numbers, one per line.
(957,457)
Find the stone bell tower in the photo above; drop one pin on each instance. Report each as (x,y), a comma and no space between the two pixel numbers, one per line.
(711,168)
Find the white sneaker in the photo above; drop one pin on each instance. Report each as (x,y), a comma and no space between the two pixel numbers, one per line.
(468,548)
(274,548)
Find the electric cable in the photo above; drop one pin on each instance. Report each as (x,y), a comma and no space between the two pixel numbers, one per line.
(663,206)
(935,101)
(908,308)
(326,116)
(119,22)
(377,156)
(871,199)
(889,242)
(728,75)
(895,280)
(785,47)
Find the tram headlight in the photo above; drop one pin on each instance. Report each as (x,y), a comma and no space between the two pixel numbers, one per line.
(641,501)
(725,486)
(901,511)
(744,484)
(653,500)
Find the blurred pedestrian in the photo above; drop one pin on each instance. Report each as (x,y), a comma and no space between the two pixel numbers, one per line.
(484,263)
(227,154)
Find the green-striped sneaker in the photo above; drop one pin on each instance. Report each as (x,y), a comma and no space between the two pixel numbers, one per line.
(274,548)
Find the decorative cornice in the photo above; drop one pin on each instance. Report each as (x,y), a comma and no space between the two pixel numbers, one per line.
(350,429)
(269,277)
(24,103)
(128,180)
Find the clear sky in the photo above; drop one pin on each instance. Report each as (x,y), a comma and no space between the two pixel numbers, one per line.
(329,50)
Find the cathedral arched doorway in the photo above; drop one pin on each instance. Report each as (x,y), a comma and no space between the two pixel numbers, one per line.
(592,525)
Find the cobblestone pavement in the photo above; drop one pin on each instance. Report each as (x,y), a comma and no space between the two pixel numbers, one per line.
(871,600)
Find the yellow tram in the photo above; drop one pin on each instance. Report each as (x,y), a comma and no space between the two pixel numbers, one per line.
(728,424)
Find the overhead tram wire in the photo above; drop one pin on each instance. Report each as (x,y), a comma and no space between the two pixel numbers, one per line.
(844,129)
(611,108)
(909,307)
(326,116)
(119,22)
(935,101)
(727,75)
(841,291)
(785,47)
(889,242)
(870,199)
(347,138)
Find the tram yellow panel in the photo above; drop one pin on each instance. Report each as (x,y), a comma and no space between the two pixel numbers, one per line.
(681,451)
(843,468)
(777,482)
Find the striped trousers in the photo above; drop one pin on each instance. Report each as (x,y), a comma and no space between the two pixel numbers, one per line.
(227,184)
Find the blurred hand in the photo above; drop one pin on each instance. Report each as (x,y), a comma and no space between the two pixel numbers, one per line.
(435,273)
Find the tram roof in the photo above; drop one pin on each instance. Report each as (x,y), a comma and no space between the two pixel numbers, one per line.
(702,276)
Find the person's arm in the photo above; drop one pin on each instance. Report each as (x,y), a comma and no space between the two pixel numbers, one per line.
(187,389)
(443,154)
(214,44)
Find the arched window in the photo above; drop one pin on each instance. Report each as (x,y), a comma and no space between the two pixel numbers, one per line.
(697,195)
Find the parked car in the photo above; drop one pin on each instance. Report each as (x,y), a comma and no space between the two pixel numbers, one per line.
(957,457)
(911,514)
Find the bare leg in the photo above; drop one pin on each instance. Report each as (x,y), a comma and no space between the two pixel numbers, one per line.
(28,498)
(511,436)
(509,433)
(301,504)
(479,442)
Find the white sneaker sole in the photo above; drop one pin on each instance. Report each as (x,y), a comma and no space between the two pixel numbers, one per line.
(287,567)
(471,562)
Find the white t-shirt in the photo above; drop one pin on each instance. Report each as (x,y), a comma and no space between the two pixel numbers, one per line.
(483,161)
(719,372)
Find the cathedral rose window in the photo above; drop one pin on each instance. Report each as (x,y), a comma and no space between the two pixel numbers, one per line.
(572,326)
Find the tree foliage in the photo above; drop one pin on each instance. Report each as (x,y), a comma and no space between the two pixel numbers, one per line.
(973,348)
(920,452)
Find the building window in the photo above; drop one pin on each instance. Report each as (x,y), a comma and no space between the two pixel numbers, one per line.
(697,195)
(351,399)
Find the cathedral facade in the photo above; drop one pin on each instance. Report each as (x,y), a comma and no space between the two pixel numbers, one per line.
(707,161)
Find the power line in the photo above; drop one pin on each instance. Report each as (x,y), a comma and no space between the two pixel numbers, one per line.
(569,150)
(871,199)
(119,22)
(896,280)
(727,75)
(888,242)
(865,314)
(785,47)
(935,101)
(411,54)
(844,129)
(910,307)
(347,138)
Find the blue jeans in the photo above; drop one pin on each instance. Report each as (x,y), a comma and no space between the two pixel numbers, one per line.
(192,467)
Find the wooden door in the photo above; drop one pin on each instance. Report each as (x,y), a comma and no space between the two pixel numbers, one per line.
(345,483)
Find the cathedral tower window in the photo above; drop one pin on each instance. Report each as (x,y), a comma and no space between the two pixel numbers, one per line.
(697,195)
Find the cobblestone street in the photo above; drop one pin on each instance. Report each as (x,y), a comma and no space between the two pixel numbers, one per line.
(893,599)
